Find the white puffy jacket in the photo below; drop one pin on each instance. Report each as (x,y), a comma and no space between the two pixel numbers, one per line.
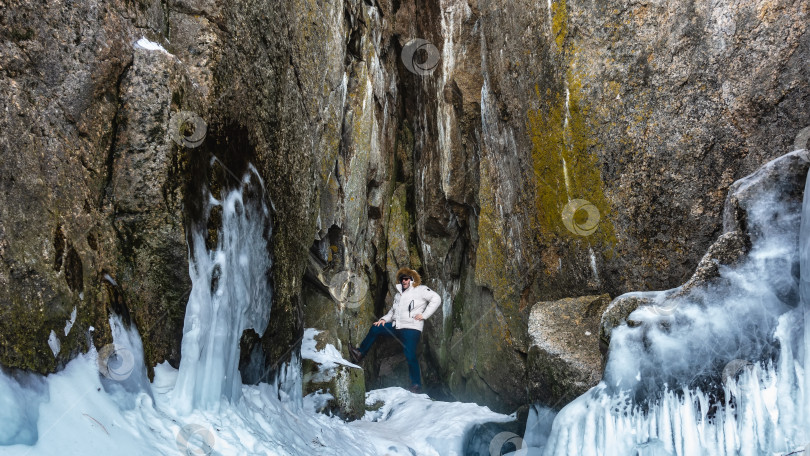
(410,303)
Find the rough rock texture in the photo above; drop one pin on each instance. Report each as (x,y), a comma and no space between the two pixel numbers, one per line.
(95,186)
(60,70)
(726,251)
(618,311)
(344,383)
(144,200)
(564,359)
(784,176)
(647,111)
(558,149)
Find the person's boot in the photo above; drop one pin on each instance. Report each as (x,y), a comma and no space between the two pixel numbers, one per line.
(355,354)
(415,388)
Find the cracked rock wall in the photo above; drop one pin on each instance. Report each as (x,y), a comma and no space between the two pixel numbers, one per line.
(645,111)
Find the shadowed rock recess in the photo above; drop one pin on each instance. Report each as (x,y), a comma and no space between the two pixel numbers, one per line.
(470,172)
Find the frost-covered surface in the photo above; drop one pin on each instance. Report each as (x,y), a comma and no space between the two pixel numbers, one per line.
(83,418)
(414,424)
(538,427)
(54,343)
(69,323)
(721,371)
(20,398)
(328,358)
(317,401)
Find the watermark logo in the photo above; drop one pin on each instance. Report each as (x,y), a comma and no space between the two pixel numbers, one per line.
(581,217)
(348,289)
(193,439)
(116,362)
(188,129)
(496,447)
(420,57)
(801,139)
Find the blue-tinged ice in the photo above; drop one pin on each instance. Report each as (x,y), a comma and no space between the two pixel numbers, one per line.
(230,293)
(722,370)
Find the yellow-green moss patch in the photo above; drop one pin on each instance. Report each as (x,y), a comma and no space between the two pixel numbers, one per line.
(564,167)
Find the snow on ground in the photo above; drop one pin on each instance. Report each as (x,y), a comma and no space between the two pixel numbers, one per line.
(408,421)
(80,414)
(102,402)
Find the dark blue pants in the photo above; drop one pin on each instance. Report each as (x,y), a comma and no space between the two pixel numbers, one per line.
(409,338)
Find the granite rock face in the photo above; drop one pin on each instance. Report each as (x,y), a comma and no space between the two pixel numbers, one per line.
(784,176)
(646,112)
(524,152)
(570,149)
(564,359)
(99,193)
(61,70)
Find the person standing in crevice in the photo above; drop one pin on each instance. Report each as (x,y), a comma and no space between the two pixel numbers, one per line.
(413,304)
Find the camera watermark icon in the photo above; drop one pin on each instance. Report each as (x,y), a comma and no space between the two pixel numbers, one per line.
(348,289)
(193,439)
(801,141)
(188,129)
(734,368)
(116,362)
(496,447)
(572,217)
(420,57)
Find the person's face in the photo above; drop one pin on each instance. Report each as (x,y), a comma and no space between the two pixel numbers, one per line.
(406,282)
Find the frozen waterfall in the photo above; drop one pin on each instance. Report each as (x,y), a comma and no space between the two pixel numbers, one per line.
(103,403)
(230,293)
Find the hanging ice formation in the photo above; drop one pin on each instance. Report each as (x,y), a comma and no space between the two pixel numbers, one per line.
(722,369)
(230,293)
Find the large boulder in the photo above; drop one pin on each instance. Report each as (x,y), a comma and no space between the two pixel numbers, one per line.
(564,359)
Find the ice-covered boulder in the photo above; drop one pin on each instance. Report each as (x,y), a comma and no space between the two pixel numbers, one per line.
(326,371)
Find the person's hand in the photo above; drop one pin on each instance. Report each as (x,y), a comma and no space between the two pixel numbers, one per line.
(379,322)
(419,317)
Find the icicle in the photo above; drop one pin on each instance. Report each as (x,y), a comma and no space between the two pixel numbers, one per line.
(230,293)
(737,322)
